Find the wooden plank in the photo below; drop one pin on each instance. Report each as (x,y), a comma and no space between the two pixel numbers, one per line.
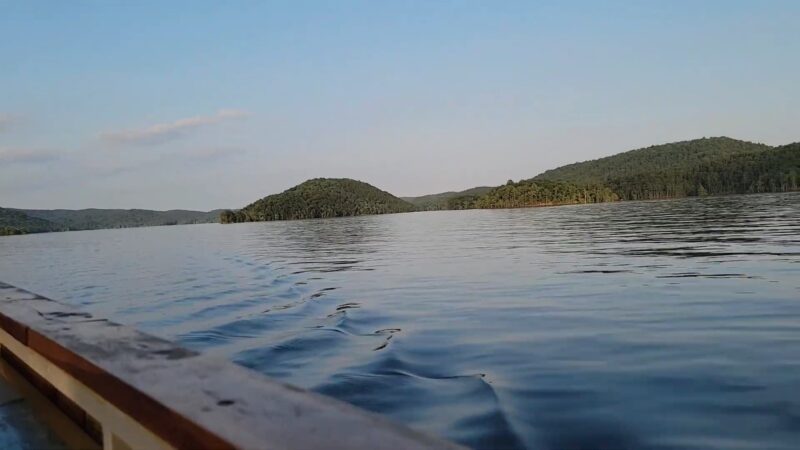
(53,418)
(191,400)
(151,413)
(113,419)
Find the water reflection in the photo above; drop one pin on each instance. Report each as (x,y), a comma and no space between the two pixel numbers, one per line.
(649,325)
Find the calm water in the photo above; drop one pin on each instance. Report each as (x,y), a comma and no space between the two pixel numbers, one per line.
(652,325)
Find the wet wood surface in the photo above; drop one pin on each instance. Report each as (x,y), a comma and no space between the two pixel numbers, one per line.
(188,399)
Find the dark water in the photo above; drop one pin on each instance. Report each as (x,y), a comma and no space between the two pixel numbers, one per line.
(653,325)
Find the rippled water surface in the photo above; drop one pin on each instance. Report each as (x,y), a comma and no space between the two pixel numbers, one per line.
(642,325)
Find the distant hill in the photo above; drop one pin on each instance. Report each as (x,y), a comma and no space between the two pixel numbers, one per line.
(318,198)
(42,220)
(13,221)
(92,219)
(446,200)
(699,167)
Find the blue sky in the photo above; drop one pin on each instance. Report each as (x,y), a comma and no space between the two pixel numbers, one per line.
(203,105)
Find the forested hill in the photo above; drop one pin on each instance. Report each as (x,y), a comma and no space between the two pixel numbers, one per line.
(700,167)
(13,221)
(318,198)
(446,200)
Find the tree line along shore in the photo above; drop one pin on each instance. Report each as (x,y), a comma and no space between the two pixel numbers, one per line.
(708,166)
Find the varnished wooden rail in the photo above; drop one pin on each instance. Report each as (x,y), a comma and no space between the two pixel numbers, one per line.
(131,390)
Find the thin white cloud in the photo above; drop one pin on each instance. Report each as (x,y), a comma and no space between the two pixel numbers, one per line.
(26,156)
(212,153)
(110,164)
(162,132)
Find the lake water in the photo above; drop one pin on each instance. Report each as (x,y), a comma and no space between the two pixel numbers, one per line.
(640,325)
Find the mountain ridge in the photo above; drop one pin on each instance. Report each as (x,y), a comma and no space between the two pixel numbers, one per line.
(707,166)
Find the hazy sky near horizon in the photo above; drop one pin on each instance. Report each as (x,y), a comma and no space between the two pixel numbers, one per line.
(207,104)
